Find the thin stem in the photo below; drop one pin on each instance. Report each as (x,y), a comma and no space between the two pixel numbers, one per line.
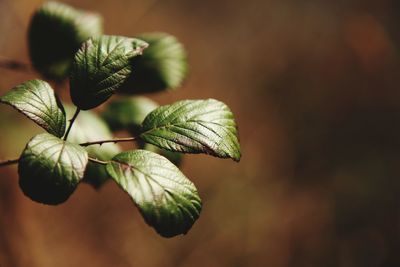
(11,64)
(98,161)
(71,122)
(15,161)
(8,162)
(117,140)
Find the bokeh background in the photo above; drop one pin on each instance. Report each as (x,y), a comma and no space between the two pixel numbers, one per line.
(315,88)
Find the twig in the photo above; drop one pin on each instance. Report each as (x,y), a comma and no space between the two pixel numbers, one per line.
(8,162)
(71,122)
(98,161)
(15,65)
(15,161)
(117,140)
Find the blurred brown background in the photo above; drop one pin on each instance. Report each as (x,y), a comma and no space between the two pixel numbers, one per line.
(315,87)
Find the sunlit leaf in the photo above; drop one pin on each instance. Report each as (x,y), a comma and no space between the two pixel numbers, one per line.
(168,201)
(50,169)
(128,114)
(175,157)
(194,126)
(37,100)
(100,67)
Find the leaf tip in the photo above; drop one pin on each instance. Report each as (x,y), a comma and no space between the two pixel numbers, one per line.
(141,46)
(238,155)
(237,158)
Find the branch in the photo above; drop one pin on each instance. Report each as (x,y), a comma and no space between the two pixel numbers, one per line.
(15,65)
(15,161)
(98,161)
(8,162)
(71,122)
(118,140)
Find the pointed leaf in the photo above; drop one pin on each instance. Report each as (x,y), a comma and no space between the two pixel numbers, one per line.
(163,65)
(128,113)
(194,126)
(168,201)
(88,126)
(50,169)
(37,100)
(100,67)
(56,32)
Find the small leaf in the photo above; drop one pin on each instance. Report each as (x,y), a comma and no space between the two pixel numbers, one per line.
(168,201)
(128,113)
(56,32)
(194,126)
(101,66)
(88,126)
(50,169)
(163,65)
(37,100)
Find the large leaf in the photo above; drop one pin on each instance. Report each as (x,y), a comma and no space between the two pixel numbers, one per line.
(101,66)
(168,201)
(50,169)
(56,32)
(162,66)
(128,113)
(37,100)
(87,127)
(194,126)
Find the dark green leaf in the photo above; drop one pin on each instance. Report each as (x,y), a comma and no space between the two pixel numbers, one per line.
(50,169)
(88,126)
(56,32)
(101,66)
(128,113)
(194,126)
(168,201)
(163,65)
(37,100)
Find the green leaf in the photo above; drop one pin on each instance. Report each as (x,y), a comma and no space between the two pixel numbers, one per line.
(168,201)
(56,32)
(163,65)
(101,66)
(128,113)
(37,100)
(175,157)
(50,169)
(88,126)
(194,126)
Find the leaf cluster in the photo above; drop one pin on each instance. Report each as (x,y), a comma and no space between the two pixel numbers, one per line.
(98,66)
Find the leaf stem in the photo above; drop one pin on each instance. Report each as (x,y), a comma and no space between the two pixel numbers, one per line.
(98,161)
(117,140)
(15,65)
(8,162)
(71,122)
